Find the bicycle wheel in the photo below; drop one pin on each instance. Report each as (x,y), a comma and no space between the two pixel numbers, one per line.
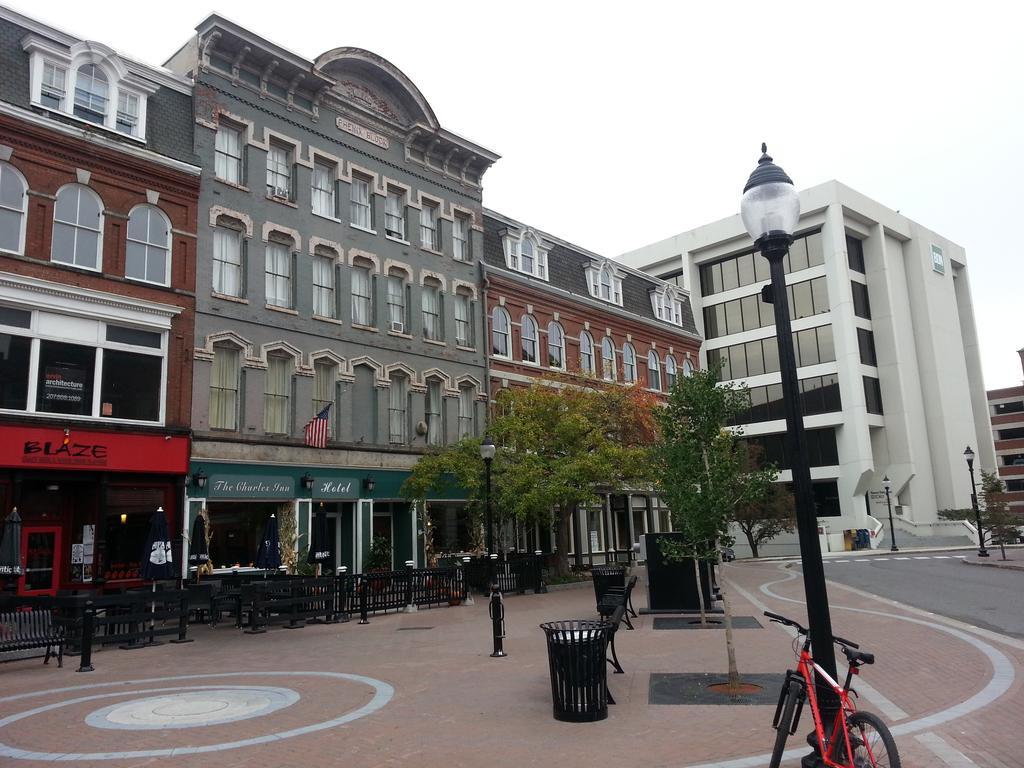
(783,727)
(872,744)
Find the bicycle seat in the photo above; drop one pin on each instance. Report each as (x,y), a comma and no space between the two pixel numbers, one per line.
(858,657)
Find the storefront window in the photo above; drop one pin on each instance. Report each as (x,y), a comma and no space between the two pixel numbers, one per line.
(128,514)
(131,386)
(236,529)
(14,368)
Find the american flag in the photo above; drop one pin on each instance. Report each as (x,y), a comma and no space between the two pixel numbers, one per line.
(318,427)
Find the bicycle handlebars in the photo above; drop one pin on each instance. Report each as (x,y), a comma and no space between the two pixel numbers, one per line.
(803,630)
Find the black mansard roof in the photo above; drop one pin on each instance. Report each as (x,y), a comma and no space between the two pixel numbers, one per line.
(566,272)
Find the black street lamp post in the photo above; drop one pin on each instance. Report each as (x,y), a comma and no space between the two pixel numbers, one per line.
(887,484)
(770,209)
(969,455)
(487,451)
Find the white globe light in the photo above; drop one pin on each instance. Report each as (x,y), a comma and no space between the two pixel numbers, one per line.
(770,203)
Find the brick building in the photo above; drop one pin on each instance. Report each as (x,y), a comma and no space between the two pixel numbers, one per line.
(1006,409)
(98,199)
(556,310)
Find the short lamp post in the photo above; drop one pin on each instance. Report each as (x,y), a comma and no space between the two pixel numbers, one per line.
(487,451)
(770,209)
(969,455)
(887,484)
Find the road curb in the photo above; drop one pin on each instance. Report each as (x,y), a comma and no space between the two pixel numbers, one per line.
(994,565)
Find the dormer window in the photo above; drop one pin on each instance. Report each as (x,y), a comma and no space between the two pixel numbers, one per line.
(667,306)
(605,283)
(87,81)
(526,254)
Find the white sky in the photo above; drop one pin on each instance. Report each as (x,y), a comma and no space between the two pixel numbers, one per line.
(623,123)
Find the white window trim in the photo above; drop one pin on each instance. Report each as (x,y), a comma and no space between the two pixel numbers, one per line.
(119,80)
(667,305)
(24,209)
(99,239)
(594,272)
(513,243)
(508,333)
(170,240)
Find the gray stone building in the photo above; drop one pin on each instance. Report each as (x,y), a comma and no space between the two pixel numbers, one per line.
(339,231)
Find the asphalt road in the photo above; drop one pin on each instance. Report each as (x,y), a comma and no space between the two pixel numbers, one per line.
(992,598)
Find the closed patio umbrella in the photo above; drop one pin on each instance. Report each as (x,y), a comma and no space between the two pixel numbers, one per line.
(319,545)
(157,557)
(268,557)
(198,552)
(10,546)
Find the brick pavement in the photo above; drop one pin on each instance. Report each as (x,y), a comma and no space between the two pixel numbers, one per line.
(455,706)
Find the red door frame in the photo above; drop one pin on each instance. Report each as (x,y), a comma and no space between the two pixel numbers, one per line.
(57,532)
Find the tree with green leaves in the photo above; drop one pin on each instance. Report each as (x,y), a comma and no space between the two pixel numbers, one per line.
(998,524)
(559,447)
(703,472)
(764,519)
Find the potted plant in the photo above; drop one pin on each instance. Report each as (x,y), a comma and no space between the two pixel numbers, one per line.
(378,559)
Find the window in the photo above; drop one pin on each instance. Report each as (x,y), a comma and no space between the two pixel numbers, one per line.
(394,214)
(855,254)
(861,305)
(670,371)
(433,413)
(501,327)
(54,87)
(360,212)
(324,202)
(587,354)
(747,268)
(628,363)
(528,328)
(228,274)
(396,290)
(279,275)
(431,301)
(1013,433)
(605,284)
(464,336)
(227,154)
(467,412)
(429,235)
(687,367)
(277,395)
(556,346)
(91,89)
(362,296)
(667,307)
(77,227)
(461,245)
(1014,406)
(13,206)
(821,448)
(148,245)
(526,255)
(128,113)
(608,359)
(397,410)
(866,344)
(873,394)
(15,368)
(653,371)
(324,302)
(325,377)
(279,172)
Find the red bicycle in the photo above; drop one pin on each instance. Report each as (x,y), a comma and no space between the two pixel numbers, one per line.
(854,739)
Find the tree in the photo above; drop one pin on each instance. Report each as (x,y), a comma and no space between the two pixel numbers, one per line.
(763,520)
(559,446)
(703,472)
(998,523)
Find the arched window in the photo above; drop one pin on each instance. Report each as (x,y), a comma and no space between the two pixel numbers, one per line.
(687,367)
(501,328)
(556,346)
(77,227)
(91,94)
(653,371)
(629,363)
(606,284)
(13,204)
(587,354)
(528,255)
(608,359)
(529,339)
(225,376)
(398,404)
(149,245)
(670,371)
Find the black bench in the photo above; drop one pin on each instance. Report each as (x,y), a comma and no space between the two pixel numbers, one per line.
(25,630)
(615,597)
(615,619)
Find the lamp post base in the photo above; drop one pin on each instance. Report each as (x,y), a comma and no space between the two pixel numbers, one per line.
(894,548)
(982,553)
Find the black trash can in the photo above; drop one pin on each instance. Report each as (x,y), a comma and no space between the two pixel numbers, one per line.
(577,650)
(605,576)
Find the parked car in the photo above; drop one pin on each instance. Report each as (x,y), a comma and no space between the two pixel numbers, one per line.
(728,555)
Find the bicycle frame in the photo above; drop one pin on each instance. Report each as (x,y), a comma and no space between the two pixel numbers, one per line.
(846,708)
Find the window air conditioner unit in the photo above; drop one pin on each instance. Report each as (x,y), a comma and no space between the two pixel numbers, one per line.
(397,326)
(281,192)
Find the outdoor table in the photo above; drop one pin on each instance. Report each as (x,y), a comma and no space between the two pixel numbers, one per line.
(577,649)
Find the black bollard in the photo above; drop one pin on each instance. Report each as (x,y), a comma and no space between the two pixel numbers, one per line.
(410,606)
(88,627)
(362,601)
(497,612)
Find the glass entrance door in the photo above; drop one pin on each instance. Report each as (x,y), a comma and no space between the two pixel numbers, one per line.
(40,551)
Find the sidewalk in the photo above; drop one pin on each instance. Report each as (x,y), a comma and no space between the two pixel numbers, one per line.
(440,700)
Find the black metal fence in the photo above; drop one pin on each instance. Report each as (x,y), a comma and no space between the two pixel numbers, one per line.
(382,591)
(517,574)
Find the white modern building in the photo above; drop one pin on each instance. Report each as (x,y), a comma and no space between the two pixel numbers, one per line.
(887,351)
